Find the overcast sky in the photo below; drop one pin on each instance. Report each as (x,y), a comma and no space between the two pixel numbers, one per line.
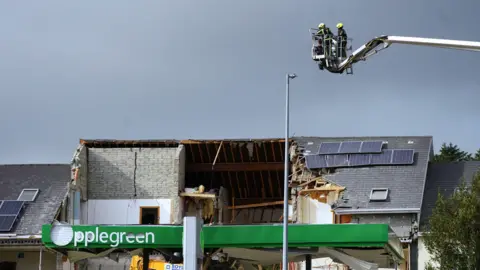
(123,69)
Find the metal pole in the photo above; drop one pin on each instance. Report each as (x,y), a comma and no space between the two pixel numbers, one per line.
(40,260)
(308,262)
(285,177)
(192,252)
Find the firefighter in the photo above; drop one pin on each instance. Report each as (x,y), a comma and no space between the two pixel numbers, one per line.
(342,40)
(318,50)
(326,35)
(323,30)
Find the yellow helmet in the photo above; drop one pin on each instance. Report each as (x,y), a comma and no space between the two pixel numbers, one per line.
(339,25)
(322,25)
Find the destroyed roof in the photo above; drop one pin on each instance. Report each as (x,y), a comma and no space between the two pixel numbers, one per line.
(444,177)
(114,143)
(52,181)
(405,183)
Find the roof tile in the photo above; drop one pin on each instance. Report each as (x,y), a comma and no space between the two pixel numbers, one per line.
(405,183)
(52,181)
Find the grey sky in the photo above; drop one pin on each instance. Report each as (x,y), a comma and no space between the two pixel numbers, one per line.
(215,69)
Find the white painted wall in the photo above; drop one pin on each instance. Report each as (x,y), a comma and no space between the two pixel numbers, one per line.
(30,259)
(423,255)
(315,212)
(122,211)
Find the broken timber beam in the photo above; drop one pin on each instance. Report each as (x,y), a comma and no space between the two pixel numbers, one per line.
(235,167)
(257,205)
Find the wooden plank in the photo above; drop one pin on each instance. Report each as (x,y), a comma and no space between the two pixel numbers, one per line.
(257,205)
(198,195)
(235,167)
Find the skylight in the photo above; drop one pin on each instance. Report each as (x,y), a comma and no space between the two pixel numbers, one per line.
(379,194)
(28,195)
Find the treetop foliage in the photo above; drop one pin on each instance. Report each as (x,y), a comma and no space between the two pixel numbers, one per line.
(451,153)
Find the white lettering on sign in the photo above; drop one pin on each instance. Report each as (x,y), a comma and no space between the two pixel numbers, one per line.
(85,238)
(169,266)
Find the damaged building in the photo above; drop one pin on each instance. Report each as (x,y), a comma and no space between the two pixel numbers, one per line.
(226,182)
(246,175)
(332,180)
(364,180)
(161,181)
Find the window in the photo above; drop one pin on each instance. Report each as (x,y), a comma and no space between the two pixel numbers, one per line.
(379,194)
(28,195)
(149,215)
(342,219)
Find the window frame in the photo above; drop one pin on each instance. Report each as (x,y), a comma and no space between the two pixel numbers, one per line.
(157,221)
(384,198)
(29,189)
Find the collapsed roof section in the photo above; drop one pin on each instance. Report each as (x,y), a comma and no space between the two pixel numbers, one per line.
(251,171)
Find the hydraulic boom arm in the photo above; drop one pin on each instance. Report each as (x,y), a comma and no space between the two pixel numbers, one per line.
(383,42)
(433,42)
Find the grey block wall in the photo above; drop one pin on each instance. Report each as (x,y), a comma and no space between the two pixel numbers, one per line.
(400,223)
(83,172)
(179,172)
(141,173)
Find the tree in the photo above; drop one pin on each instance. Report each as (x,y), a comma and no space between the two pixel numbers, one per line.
(451,152)
(477,155)
(453,237)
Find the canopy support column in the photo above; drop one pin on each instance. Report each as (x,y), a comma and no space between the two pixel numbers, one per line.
(192,251)
(308,262)
(146,258)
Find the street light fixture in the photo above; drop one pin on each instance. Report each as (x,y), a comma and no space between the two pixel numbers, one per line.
(285,177)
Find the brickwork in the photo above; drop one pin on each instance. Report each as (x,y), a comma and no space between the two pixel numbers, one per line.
(179,173)
(82,175)
(142,173)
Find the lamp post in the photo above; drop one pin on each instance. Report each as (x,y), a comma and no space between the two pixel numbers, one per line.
(285,177)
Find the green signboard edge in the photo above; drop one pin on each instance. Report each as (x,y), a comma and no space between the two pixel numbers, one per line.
(244,236)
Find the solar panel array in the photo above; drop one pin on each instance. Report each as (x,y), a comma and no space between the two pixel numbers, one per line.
(9,213)
(385,157)
(311,149)
(347,147)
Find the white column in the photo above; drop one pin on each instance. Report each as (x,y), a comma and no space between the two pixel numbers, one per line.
(192,251)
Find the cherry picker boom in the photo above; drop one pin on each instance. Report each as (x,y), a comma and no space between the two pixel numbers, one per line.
(329,59)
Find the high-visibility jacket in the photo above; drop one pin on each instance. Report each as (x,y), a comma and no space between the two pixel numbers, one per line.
(324,32)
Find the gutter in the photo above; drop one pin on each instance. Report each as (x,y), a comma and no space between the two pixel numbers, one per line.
(377,211)
(12,236)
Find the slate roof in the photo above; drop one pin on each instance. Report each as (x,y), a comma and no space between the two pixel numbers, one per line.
(405,183)
(444,177)
(52,182)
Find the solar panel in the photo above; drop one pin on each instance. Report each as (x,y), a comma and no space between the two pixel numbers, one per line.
(11,207)
(340,161)
(350,147)
(330,161)
(371,147)
(311,148)
(329,148)
(6,222)
(334,161)
(359,160)
(383,158)
(402,156)
(315,162)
